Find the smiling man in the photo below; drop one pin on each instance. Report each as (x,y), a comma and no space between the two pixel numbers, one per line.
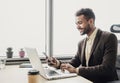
(96,54)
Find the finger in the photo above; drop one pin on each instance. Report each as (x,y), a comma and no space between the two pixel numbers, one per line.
(50,64)
(53,59)
(53,63)
(50,59)
(62,69)
(63,65)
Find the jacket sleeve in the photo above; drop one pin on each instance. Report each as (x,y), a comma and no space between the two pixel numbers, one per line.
(76,61)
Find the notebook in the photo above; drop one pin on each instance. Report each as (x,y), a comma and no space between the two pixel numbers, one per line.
(46,71)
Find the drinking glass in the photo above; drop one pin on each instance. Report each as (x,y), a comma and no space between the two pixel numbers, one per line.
(2,63)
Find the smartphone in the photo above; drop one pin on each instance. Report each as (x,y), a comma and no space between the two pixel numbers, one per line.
(49,61)
(45,55)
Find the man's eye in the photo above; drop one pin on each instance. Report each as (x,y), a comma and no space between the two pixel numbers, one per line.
(79,23)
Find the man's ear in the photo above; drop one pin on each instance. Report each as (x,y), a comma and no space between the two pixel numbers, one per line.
(91,21)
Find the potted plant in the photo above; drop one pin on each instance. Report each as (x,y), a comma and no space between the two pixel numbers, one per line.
(9,52)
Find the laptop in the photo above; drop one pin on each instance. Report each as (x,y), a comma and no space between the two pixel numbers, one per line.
(46,71)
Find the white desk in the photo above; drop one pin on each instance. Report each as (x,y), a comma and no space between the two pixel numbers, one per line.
(14,74)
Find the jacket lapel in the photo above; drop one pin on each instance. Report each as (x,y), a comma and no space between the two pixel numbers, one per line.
(95,43)
(83,60)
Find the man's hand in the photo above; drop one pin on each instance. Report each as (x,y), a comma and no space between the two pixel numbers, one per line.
(68,67)
(53,62)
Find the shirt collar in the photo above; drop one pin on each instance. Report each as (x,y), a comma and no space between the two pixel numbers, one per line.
(93,34)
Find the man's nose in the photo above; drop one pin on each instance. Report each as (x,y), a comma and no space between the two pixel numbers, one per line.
(78,27)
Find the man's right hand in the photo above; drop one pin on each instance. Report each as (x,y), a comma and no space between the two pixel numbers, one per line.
(53,62)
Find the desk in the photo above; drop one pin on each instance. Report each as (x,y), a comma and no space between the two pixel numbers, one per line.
(14,74)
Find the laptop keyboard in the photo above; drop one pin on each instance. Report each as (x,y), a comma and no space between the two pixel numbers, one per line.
(50,72)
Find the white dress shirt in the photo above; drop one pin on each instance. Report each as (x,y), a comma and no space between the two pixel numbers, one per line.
(89,44)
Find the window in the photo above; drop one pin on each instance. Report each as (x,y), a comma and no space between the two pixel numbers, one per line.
(22,24)
(66,36)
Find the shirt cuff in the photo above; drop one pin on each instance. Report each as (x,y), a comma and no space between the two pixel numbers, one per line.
(77,70)
(58,64)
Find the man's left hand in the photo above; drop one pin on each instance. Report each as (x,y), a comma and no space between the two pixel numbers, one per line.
(70,68)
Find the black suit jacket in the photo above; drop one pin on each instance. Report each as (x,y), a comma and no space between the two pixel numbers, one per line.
(102,58)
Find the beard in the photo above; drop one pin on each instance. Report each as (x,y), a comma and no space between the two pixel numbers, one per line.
(86,30)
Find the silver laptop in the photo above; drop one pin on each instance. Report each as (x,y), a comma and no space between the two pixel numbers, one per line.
(46,71)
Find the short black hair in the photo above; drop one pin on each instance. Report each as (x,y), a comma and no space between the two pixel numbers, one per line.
(87,12)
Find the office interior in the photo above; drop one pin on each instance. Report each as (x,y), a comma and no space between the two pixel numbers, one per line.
(49,26)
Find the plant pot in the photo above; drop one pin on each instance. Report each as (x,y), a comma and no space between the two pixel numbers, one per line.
(9,54)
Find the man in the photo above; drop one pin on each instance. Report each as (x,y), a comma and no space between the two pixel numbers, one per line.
(96,55)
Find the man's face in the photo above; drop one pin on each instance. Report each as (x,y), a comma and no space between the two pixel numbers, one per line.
(83,25)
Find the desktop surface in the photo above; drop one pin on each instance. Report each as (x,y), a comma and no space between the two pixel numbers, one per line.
(14,74)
